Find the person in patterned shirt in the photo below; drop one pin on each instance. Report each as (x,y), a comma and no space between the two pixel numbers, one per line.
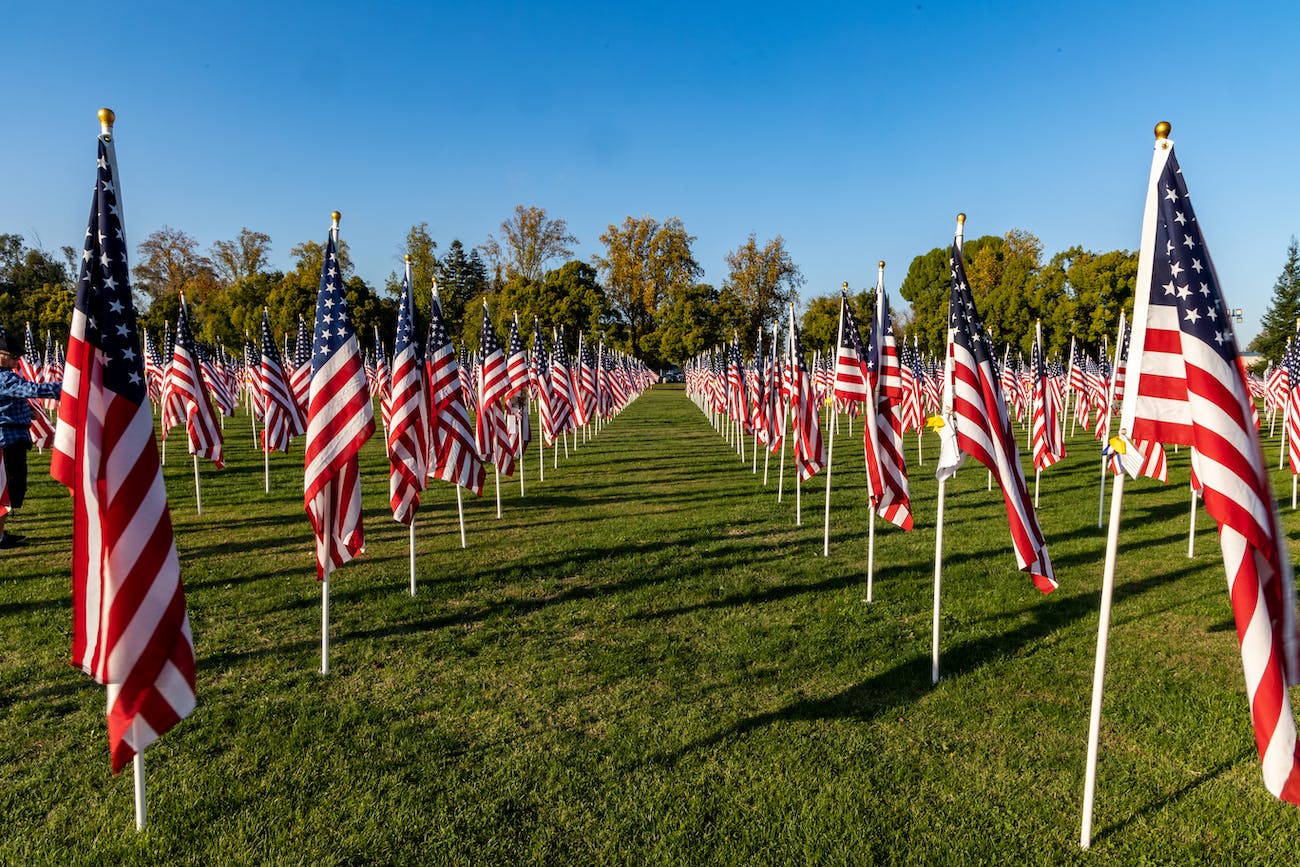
(15,424)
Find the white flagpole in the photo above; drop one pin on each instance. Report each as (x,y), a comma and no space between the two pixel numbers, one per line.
(871,551)
(412,555)
(946,416)
(541,446)
(497,473)
(1038,474)
(328,527)
(137,772)
(198,497)
(266,469)
(830,449)
(1140,303)
(1191,529)
(1099,667)
(460,510)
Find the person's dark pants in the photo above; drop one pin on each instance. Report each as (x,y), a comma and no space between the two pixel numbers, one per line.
(16,471)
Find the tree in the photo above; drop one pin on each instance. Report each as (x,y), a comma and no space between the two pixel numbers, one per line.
(529,240)
(34,287)
(927,286)
(820,325)
(1279,321)
(420,246)
(765,281)
(644,263)
(243,257)
(169,263)
(692,319)
(460,278)
(568,297)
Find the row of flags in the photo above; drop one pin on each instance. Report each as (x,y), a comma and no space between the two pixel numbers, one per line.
(1178,378)
(131,630)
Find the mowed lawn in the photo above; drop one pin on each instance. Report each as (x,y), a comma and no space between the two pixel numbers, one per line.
(645,661)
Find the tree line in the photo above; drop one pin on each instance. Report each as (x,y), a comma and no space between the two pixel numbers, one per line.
(642,292)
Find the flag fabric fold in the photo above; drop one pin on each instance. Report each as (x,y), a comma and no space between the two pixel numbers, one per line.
(1186,384)
(131,631)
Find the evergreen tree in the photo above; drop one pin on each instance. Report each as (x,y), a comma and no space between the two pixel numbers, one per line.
(1279,322)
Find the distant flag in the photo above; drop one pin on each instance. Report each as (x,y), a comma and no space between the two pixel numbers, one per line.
(983,429)
(890,499)
(408,425)
(540,373)
(490,435)
(340,418)
(280,418)
(454,458)
(130,628)
(300,379)
(805,424)
(185,391)
(1048,438)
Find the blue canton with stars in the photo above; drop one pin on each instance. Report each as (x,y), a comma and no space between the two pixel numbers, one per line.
(406,335)
(1182,276)
(104,290)
(333,328)
(964,318)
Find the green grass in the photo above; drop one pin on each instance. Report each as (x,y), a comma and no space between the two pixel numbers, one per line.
(646,662)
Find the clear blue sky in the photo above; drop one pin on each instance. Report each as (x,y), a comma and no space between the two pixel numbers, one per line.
(856,131)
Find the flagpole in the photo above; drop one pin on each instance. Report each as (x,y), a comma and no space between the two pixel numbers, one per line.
(1191,529)
(266,466)
(412,554)
(327,527)
(497,473)
(945,410)
(198,496)
(1117,494)
(1099,666)
(871,551)
(460,510)
(137,772)
(830,448)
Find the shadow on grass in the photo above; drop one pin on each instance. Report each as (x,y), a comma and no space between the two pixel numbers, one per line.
(1173,797)
(910,680)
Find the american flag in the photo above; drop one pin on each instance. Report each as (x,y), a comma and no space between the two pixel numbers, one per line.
(408,424)
(887,473)
(490,434)
(584,383)
(300,379)
(541,379)
(252,368)
(40,430)
(736,405)
(516,360)
(561,386)
(340,418)
(383,379)
(280,419)
(214,377)
(1187,384)
(454,458)
(850,382)
(910,410)
(1291,361)
(130,628)
(805,424)
(1048,438)
(184,392)
(983,429)
(759,402)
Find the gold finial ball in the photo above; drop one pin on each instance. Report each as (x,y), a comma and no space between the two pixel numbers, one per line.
(880,264)
(407,258)
(845,284)
(106,117)
(335,216)
(961,218)
(1162,129)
